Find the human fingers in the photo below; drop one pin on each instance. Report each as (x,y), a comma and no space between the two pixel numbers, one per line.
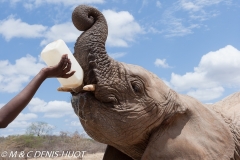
(63,61)
(68,75)
(68,68)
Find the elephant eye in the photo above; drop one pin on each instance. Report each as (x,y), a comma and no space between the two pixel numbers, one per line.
(136,87)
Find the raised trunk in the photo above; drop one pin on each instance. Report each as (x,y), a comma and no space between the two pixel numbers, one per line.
(94,108)
(90,49)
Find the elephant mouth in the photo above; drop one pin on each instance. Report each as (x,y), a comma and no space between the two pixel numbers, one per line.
(86,99)
(87,105)
(80,103)
(96,94)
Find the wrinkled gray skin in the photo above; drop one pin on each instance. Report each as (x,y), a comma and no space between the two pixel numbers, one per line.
(137,115)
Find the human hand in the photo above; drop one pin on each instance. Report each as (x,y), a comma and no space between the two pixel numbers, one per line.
(60,70)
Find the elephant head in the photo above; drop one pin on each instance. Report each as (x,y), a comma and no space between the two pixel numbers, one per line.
(126,104)
(123,110)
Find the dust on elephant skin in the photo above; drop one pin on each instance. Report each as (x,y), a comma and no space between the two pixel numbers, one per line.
(137,114)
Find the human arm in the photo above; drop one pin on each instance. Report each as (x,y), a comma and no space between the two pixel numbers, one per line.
(11,110)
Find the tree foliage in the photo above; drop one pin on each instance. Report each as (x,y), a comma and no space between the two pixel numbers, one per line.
(39,129)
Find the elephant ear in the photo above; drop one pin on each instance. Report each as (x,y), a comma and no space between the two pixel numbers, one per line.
(173,104)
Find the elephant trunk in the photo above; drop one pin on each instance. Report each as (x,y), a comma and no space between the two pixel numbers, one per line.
(89,48)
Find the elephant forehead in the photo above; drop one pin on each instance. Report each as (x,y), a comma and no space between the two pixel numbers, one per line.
(137,71)
(154,86)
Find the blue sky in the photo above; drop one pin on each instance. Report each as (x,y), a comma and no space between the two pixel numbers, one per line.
(193,45)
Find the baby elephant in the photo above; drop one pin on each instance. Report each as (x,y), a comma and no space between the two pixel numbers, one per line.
(137,115)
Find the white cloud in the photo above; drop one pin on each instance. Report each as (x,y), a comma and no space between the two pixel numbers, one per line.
(12,27)
(75,123)
(196,5)
(65,31)
(177,26)
(25,117)
(122,31)
(158,4)
(161,63)
(191,80)
(19,124)
(154,30)
(68,2)
(194,11)
(13,76)
(216,70)
(29,4)
(144,3)
(52,109)
(222,65)
(12,2)
(189,5)
(22,120)
(117,55)
(206,94)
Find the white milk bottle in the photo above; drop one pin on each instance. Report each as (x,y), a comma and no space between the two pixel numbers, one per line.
(52,54)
